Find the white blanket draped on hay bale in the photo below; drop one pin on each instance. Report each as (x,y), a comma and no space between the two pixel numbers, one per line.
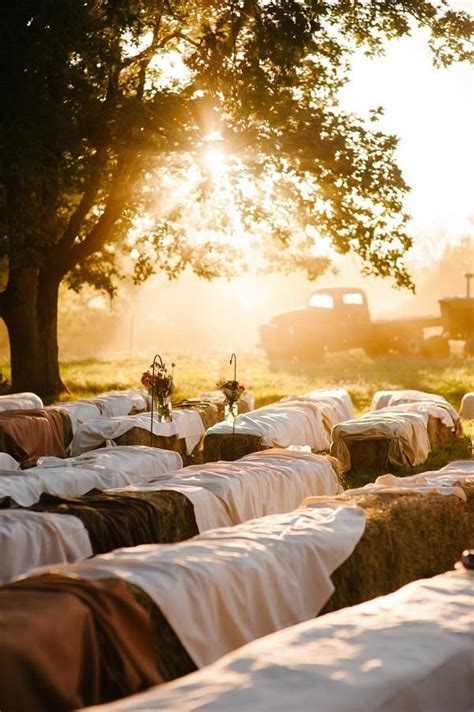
(381,438)
(20,401)
(409,650)
(269,482)
(101,469)
(224,588)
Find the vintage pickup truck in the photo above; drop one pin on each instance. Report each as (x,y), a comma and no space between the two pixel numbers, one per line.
(338,319)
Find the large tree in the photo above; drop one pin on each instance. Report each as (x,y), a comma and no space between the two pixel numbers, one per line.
(108,106)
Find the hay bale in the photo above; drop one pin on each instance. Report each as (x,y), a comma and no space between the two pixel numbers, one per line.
(171,658)
(407,537)
(211,413)
(439,433)
(139,436)
(175,513)
(369,457)
(226,446)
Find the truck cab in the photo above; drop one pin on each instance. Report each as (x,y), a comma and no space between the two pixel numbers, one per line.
(335,319)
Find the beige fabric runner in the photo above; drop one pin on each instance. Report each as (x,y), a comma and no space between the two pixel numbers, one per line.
(186,424)
(269,482)
(30,539)
(222,589)
(411,650)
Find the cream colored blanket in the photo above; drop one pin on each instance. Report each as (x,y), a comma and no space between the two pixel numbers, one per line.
(267,482)
(100,469)
(186,424)
(407,434)
(292,421)
(229,586)
(30,539)
(411,650)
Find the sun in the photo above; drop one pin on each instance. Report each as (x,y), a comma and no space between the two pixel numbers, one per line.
(215,161)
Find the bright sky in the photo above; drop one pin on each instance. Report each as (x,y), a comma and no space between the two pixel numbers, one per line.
(432,111)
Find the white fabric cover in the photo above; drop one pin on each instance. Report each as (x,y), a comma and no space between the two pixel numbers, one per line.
(224,588)
(467,406)
(102,469)
(186,424)
(139,399)
(382,399)
(7,462)
(287,422)
(31,539)
(339,400)
(441,411)
(20,401)
(267,482)
(407,432)
(398,485)
(79,412)
(410,650)
(452,475)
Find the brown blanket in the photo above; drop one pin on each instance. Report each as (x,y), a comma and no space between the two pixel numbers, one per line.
(112,520)
(66,643)
(26,435)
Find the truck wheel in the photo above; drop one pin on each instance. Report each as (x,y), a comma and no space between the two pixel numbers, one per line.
(376,350)
(469,346)
(436,347)
(411,344)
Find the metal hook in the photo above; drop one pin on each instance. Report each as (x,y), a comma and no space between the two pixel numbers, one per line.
(234,359)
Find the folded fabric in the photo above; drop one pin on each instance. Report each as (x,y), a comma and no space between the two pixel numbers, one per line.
(79,411)
(407,435)
(20,401)
(269,482)
(186,424)
(456,473)
(435,409)
(28,434)
(410,650)
(101,469)
(287,422)
(224,588)
(388,484)
(67,643)
(29,539)
(338,398)
(111,520)
(7,462)
(383,399)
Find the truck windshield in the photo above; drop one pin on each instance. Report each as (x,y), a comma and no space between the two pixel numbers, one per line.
(322,301)
(352,298)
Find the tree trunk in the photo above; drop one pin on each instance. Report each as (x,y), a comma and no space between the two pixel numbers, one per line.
(30,307)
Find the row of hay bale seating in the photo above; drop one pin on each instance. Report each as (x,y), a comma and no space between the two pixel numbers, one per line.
(29,431)
(141,616)
(402,428)
(410,650)
(305,420)
(65,510)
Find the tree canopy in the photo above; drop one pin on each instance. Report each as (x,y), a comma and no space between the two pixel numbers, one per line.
(176,132)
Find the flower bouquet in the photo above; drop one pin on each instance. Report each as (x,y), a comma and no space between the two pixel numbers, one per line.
(159,383)
(232,391)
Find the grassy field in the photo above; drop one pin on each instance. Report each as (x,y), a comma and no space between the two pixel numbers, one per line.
(356,372)
(353,370)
